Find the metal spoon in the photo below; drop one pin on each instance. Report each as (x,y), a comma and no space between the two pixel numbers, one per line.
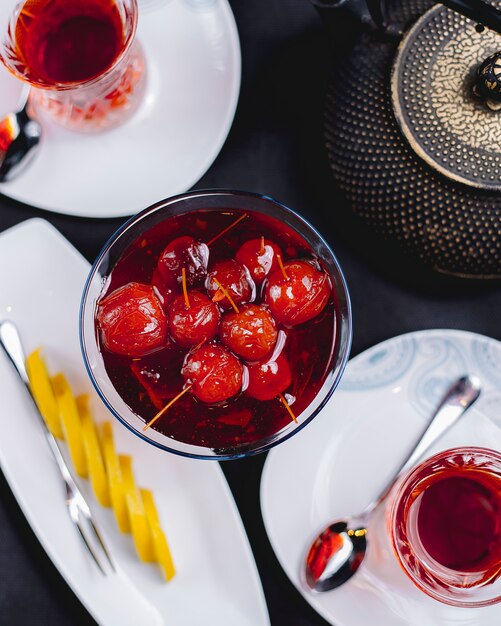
(341,546)
(23,147)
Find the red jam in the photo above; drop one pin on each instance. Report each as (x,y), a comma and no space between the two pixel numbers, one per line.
(245,360)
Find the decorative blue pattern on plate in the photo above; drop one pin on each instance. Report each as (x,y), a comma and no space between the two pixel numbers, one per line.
(381,367)
(200,4)
(440,361)
(487,356)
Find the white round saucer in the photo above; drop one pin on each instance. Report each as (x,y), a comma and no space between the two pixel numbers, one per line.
(194,67)
(343,459)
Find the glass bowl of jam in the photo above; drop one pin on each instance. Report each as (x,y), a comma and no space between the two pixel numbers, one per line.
(216,324)
(445,526)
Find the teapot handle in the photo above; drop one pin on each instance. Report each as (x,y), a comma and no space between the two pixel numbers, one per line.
(372,13)
(367,13)
(479,10)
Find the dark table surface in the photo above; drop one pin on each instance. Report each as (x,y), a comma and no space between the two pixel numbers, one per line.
(275,147)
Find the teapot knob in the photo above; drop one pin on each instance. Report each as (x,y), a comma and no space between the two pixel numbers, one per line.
(488,82)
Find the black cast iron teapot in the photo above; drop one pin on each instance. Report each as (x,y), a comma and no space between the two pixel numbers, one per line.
(413,126)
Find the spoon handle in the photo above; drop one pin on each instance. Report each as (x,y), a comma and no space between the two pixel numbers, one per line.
(457,399)
(24,101)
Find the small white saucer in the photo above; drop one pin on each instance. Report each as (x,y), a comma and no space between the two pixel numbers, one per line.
(343,459)
(194,67)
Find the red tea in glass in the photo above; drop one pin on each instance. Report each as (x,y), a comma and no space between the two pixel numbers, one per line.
(265,354)
(65,42)
(80,56)
(458,518)
(446,526)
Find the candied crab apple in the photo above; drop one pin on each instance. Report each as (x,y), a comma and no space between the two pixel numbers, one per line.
(260,257)
(270,379)
(229,278)
(132,320)
(193,319)
(215,375)
(183,252)
(297,292)
(251,333)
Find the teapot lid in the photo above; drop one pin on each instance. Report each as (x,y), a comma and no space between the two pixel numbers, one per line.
(443,71)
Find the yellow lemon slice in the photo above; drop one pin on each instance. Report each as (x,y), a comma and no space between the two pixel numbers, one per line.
(70,419)
(139,524)
(111,475)
(95,462)
(160,544)
(43,393)
(115,481)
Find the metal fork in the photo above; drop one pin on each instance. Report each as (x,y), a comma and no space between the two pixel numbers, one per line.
(78,508)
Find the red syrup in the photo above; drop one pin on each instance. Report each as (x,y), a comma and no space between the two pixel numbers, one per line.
(64,42)
(459,521)
(148,383)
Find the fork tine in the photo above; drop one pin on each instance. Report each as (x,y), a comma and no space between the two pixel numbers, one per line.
(84,514)
(89,547)
(101,542)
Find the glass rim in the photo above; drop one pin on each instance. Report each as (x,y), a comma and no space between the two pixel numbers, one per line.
(402,493)
(68,86)
(338,365)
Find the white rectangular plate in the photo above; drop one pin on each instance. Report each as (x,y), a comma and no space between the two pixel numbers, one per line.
(41,280)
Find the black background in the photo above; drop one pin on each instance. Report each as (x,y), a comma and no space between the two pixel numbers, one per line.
(275,147)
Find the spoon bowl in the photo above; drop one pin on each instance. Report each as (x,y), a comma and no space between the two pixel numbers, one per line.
(336,554)
(26,134)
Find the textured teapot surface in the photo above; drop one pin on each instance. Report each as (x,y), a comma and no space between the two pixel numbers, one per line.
(414,157)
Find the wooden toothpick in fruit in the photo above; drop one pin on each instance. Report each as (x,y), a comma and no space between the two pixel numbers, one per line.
(166,407)
(185,288)
(287,406)
(225,230)
(225,293)
(282,268)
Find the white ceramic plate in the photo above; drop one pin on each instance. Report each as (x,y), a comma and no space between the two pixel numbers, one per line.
(41,279)
(193,57)
(345,457)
